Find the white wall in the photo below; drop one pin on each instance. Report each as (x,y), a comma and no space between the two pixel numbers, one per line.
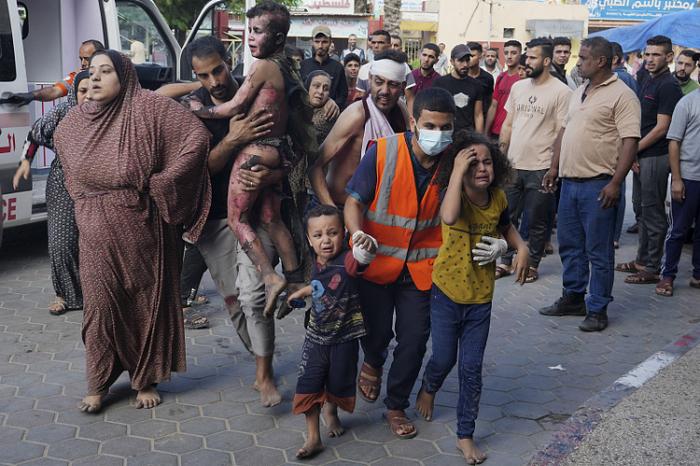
(468,20)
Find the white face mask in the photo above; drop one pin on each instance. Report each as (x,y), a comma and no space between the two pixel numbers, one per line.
(433,141)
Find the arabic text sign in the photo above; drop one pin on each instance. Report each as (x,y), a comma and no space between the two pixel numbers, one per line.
(635,9)
(329,6)
(340,27)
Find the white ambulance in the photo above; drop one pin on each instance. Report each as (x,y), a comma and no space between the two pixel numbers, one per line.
(39,42)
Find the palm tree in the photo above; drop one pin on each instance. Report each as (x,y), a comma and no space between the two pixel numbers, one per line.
(392,16)
(362,6)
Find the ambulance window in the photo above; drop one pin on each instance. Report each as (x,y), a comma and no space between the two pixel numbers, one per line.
(140,38)
(8,70)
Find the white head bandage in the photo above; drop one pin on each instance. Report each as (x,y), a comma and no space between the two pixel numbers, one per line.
(388,69)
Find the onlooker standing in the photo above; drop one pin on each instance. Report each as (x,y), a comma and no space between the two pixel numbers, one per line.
(481,75)
(490,63)
(686,63)
(321,60)
(562,54)
(504,82)
(658,95)
(467,92)
(684,158)
(381,42)
(426,75)
(332,52)
(619,67)
(352,67)
(353,48)
(396,43)
(606,111)
(441,65)
(621,71)
(318,84)
(536,110)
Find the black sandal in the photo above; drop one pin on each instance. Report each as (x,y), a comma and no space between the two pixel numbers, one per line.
(193,320)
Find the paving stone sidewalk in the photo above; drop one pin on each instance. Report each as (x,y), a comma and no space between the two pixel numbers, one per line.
(537,372)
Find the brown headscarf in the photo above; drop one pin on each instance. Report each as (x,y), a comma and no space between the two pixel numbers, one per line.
(153,129)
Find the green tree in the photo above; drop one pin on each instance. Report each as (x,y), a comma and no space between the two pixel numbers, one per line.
(181,14)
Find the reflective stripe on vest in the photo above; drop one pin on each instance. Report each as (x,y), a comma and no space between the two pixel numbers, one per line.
(412,240)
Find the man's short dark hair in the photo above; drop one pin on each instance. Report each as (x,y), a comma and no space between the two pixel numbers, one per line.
(661,41)
(205,47)
(513,43)
(433,99)
(394,36)
(433,47)
(291,51)
(96,44)
(692,54)
(492,49)
(382,32)
(523,60)
(279,15)
(561,40)
(321,211)
(600,47)
(547,46)
(395,55)
(617,51)
(351,57)
(475,47)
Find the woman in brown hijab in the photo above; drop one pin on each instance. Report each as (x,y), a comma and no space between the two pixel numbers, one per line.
(135,165)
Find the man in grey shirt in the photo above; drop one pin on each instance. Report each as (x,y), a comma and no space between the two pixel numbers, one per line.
(684,160)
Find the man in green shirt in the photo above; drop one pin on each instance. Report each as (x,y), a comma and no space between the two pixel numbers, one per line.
(686,63)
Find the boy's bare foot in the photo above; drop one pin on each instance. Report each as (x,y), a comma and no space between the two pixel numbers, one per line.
(269,396)
(424,404)
(147,398)
(470,451)
(274,286)
(91,404)
(310,449)
(330,416)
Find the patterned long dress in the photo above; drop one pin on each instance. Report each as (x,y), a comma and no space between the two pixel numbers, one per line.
(136,169)
(63,239)
(62,229)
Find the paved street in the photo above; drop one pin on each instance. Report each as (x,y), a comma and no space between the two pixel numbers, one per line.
(537,372)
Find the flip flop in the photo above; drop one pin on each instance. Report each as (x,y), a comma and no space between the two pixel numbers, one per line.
(503,270)
(194,320)
(627,267)
(664,287)
(58,307)
(369,379)
(398,419)
(642,278)
(694,282)
(532,275)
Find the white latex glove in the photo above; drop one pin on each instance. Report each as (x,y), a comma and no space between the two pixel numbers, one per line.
(362,255)
(489,249)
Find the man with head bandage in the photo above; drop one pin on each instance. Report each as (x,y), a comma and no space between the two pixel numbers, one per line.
(379,114)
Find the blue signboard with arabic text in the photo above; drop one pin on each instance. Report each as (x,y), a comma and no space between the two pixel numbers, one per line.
(635,9)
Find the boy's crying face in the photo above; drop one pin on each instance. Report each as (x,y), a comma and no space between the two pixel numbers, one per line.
(480,174)
(325,234)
